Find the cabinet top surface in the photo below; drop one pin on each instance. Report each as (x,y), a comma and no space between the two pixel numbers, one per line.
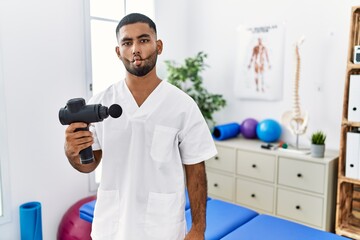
(255,146)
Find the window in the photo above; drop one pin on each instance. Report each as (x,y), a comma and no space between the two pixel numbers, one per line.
(4,169)
(103,66)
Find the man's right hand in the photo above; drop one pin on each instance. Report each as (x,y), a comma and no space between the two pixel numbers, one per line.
(75,141)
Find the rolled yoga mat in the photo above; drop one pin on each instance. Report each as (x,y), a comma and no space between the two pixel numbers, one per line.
(30,221)
(230,130)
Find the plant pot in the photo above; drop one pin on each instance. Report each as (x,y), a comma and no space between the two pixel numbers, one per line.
(317,150)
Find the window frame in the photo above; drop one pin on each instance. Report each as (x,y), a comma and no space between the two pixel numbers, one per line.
(5,193)
(130,7)
(93,185)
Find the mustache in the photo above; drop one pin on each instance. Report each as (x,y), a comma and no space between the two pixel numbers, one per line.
(138,57)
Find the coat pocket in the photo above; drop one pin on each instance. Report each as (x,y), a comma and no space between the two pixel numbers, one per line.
(164,143)
(106,214)
(165,216)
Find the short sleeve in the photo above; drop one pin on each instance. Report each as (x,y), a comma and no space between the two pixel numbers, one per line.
(94,129)
(196,143)
(96,145)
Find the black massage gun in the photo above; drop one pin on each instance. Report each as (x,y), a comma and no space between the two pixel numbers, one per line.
(76,110)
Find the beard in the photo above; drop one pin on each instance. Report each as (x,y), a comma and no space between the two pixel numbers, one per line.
(148,65)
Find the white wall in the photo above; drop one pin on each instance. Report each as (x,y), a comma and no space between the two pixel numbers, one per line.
(43,55)
(44,66)
(172,23)
(211,27)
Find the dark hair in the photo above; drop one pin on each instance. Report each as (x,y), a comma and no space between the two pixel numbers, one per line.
(135,18)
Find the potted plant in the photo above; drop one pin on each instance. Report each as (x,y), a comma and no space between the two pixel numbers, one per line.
(318,144)
(187,78)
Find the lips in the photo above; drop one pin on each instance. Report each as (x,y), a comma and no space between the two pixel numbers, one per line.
(137,60)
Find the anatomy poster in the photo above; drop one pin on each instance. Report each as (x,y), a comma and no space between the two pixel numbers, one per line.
(259,62)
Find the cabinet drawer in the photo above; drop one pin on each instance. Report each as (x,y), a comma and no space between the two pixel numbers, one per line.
(300,207)
(256,165)
(224,160)
(255,195)
(303,175)
(221,186)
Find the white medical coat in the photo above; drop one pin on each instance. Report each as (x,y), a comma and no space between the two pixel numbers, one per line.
(141,194)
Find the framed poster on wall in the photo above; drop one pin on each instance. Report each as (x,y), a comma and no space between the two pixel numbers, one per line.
(259,62)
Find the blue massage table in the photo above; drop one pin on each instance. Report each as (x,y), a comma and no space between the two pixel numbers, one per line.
(222,218)
(274,228)
(228,221)
(87,211)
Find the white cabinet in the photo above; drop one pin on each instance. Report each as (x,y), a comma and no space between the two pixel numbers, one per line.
(308,176)
(289,185)
(255,195)
(225,160)
(221,185)
(300,207)
(256,165)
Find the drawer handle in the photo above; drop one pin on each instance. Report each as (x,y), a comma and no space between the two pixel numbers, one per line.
(216,185)
(253,195)
(299,175)
(253,166)
(298,207)
(216,158)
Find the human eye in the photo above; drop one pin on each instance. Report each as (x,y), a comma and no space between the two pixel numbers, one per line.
(144,40)
(127,43)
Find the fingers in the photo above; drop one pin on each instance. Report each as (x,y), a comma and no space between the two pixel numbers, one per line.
(73,126)
(73,149)
(75,141)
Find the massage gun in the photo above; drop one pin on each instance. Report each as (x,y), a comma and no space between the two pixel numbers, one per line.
(77,111)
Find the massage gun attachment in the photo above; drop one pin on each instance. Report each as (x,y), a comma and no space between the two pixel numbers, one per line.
(76,110)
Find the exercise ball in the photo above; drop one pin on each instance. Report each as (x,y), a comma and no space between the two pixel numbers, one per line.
(248,128)
(72,226)
(268,130)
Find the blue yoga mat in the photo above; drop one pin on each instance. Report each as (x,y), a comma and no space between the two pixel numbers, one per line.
(226,131)
(30,221)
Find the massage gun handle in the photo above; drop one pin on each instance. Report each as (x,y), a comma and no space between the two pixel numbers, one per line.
(86,155)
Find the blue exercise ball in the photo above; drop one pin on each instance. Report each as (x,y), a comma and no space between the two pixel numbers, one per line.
(268,130)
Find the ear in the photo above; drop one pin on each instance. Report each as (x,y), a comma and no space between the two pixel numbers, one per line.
(117,50)
(159,46)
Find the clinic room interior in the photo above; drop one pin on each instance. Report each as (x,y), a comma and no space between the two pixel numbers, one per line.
(281,71)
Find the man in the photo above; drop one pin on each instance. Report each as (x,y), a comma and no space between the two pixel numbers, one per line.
(160,140)
(259,55)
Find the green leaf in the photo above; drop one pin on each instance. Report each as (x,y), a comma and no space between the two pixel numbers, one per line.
(187,78)
(318,138)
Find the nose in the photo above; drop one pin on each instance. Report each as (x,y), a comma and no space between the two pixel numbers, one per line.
(135,50)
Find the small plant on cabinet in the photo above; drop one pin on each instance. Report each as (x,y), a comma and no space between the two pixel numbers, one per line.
(318,144)
(318,138)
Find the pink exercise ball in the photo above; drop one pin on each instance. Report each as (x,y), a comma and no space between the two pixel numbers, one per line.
(248,128)
(72,226)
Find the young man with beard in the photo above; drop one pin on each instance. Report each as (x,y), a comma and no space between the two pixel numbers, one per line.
(160,141)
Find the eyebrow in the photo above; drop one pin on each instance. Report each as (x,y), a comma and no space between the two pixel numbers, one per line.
(145,35)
